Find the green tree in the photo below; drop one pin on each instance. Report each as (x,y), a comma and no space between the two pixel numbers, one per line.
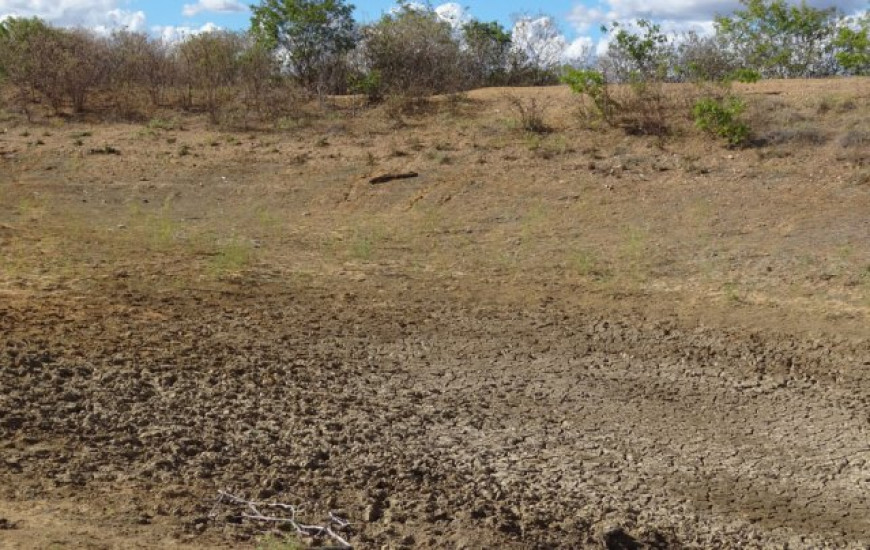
(488,47)
(314,35)
(638,57)
(781,40)
(853,46)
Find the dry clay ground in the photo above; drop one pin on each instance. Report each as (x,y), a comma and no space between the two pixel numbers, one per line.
(573,340)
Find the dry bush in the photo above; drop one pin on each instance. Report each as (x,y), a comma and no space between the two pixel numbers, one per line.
(530,113)
(855,138)
(209,67)
(59,66)
(414,53)
(644,108)
(801,136)
(142,72)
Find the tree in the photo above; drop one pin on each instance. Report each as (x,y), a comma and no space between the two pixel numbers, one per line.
(56,64)
(638,57)
(488,47)
(414,53)
(140,62)
(537,48)
(314,35)
(703,59)
(853,46)
(210,62)
(781,40)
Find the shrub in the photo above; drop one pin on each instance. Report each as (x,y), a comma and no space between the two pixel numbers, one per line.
(721,118)
(56,64)
(368,84)
(210,64)
(853,46)
(488,52)
(779,39)
(139,64)
(530,113)
(642,59)
(702,59)
(414,52)
(314,35)
(747,76)
(591,83)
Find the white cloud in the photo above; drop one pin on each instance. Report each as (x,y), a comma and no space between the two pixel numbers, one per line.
(579,52)
(454,14)
(100,15)
(221,6)
(675,13)
(583,17)
(173,35)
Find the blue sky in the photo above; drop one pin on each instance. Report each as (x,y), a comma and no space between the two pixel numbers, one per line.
(170,13)
(578,20)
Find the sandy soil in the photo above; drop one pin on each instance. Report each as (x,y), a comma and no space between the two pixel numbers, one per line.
(575,340)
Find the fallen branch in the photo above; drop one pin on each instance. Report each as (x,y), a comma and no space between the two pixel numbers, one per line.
(302,529)
(390,177)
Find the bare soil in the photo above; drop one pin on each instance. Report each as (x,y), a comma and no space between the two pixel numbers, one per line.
(579,339)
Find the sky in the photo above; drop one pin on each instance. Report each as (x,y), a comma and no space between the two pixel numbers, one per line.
(578,21)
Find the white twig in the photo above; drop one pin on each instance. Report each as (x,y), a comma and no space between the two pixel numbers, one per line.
(300,528)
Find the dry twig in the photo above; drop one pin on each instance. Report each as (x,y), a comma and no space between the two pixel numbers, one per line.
(331,529)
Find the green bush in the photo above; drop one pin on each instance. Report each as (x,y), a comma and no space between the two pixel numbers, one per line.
(721,118)
(593,84)
(747,76)
(367,84)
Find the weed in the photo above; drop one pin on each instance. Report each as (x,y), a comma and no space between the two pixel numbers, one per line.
(720,117)
(731,292)
(362,246)
(164,124)
(586,264)
(855,138)
(272,542)
(633,249)
(808,136)
(231,256)
(184,150)
(744,75)
(530,114)
(299,159)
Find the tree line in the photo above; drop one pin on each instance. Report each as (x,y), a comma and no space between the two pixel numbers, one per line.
(305,48)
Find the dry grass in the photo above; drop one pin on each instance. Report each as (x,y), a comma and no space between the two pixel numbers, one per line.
(573,211)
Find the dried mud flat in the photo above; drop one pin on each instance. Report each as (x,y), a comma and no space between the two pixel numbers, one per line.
(433,424)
